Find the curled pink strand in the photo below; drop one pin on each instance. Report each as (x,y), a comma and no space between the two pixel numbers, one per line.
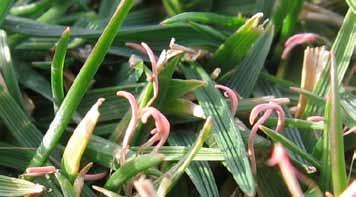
(40,171)
(95,177)
(133,121)
(349,131)
(280,157)
(268,109)
(154,75)
(315,118)
(160,132)
(232,95)
(297,39)
(136,46)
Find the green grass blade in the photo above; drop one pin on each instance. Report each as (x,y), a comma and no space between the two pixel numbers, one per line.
(31,79)
(15,157)
(244,80)
(333,135)
(29,9)
(275,136)
(225,132)
(17,121)
(348,103)
(352,5)
(232,51)
(207,18)
(100,150)
(17,187)
(57,9)
(57,69)
(65,184)
(199,171)
(8,71)
(132,168)
(297,123)
(279,13)
(265,87)
(158,34)
(80,84)
(4,8)
(343,47)
(171,177)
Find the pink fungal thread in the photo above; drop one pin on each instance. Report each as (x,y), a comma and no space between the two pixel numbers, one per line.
(297,39)
(232,95)
(154,75)
(315,118)
(349,131)
(290,174)
(160,132)
(40,171)
(268,109)
(144,48)
(132,124)
(95,177)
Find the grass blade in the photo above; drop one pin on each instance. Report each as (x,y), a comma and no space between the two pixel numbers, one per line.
(199,171)
(333,151)
(171,177)
(17,121)
(80,85)
(77,143)
(4,8)
(265,87)
(17,187)
(207,18)
(57,69)
(245,79)
(225,132)
(275,136)
(65,184)
(238,44)
(8,71)
(343,48)
(131,168)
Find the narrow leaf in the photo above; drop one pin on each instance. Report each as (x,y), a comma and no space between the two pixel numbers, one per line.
(225,133)
(199,171)
(17,187)
(275,136)
(8,71)
(80,85)
(333,137)
(57,69)
(131,168)
(172,176)
(207,18)
(65,184)
(246,73)
(238,44)
(78,141)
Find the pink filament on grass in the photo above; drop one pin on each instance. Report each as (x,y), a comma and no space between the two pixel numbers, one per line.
(232,95)
(297,39)
(40,171)
(268,109)
(132,124)
(160,132)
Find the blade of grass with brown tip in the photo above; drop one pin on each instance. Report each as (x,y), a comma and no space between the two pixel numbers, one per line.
(333,171)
